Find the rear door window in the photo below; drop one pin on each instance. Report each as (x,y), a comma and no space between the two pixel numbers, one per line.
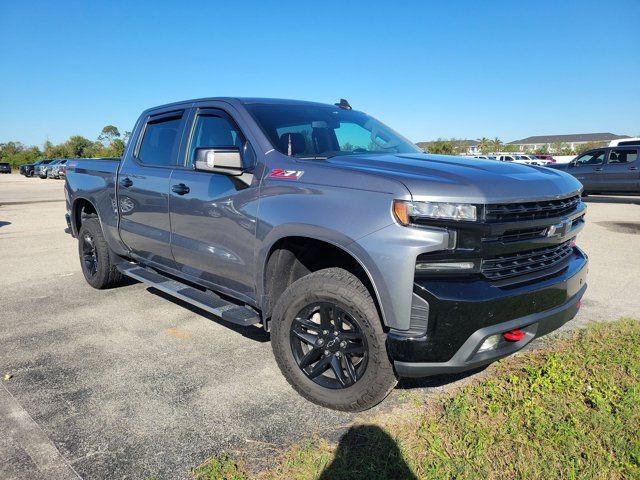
(161,140)
(622,156)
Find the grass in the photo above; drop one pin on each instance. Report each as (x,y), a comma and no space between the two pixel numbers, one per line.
(220,468)
(572,412)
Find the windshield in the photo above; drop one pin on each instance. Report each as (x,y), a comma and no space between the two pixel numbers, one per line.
(318,131)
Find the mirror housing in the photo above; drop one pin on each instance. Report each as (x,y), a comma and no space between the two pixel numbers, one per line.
(225,160)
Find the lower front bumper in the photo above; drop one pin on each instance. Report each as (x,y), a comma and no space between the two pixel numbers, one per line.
(463,315)
(468,357)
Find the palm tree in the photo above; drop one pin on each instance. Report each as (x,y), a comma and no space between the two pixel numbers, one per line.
(496,143)
(484,145)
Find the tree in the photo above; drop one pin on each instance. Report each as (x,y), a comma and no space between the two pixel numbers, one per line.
(109,134)
(484,145)
(580,148)
(78,146)
(542,150)
(561,148)
(496,144)
(441,147)
(15,153)
(116,148)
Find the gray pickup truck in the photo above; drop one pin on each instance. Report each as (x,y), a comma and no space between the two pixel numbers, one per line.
(366,259)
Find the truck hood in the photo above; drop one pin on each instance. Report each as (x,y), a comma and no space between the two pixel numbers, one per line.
(460,179)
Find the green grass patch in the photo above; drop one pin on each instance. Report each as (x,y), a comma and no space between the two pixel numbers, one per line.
(572,412)
(219,468)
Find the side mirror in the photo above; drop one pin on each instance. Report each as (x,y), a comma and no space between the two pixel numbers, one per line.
(226,160)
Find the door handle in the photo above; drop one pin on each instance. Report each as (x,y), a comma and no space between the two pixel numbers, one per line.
(126,182)
(180,189)
(599,169)
(633,168)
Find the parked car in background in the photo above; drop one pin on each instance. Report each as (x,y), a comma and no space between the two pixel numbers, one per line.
(548,158)
(522,159)
(534,160)
(606,170)
(62,171)
(43,170)
(5,167)
(29,169)
(514,158)
(54,169)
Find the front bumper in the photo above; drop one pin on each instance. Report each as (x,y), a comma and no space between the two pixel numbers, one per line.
(463,313)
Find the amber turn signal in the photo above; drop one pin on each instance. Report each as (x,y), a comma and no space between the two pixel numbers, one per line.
(401,212)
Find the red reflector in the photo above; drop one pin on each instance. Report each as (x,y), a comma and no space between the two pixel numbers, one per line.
(579,304)
(514,335)
(572,243)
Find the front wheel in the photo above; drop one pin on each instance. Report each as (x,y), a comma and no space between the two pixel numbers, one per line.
(96,264)
(329,343)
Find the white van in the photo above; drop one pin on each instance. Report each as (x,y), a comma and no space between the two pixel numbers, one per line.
(625,141)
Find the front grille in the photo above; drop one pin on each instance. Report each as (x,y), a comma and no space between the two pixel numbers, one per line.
(510,212)
(522,234)
(522,263)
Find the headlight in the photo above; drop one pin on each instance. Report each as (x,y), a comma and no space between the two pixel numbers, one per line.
(406,212)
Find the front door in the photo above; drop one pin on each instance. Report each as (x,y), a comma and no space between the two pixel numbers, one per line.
(587,168)
(213,216)
(143,189)
(621,172)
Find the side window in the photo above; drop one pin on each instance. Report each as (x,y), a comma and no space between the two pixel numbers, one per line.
(623,156)
(591,158)
(211,131)
(159,146)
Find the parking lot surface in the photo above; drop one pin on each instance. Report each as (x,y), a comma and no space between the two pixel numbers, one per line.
(130,383)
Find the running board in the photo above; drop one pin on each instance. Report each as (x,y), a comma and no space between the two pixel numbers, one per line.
(208,300)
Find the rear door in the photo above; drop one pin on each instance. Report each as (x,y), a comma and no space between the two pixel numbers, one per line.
(213,215)
(588,168)
(621,172)
(143,188)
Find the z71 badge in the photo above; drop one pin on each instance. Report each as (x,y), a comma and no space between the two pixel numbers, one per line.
(286,174)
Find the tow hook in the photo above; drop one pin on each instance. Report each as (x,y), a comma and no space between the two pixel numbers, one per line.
(514,335)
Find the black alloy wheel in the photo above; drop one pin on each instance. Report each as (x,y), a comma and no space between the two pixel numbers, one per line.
(328,345)
(89,254)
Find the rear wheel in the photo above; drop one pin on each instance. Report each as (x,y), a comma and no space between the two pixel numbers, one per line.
(94,256)
(328,341)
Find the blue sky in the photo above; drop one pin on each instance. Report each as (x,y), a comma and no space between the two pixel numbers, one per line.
(461,69)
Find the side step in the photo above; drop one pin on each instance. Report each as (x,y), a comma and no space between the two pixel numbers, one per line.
(208,301)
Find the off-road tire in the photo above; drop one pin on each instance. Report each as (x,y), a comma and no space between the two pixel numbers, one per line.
(338,286)
(106,274)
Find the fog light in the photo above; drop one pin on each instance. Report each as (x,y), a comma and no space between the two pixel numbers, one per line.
(490,343)
(444,266)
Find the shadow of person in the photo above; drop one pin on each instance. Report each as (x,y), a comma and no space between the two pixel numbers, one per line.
(367,452)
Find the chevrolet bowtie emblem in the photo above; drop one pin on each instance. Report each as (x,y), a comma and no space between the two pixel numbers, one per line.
(561,228)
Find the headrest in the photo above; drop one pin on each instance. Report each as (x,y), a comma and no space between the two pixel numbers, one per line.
(297,142)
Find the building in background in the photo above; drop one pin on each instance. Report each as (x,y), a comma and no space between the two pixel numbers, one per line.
(554,143)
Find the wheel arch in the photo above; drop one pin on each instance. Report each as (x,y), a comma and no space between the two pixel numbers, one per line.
(82,206)
(297,255)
